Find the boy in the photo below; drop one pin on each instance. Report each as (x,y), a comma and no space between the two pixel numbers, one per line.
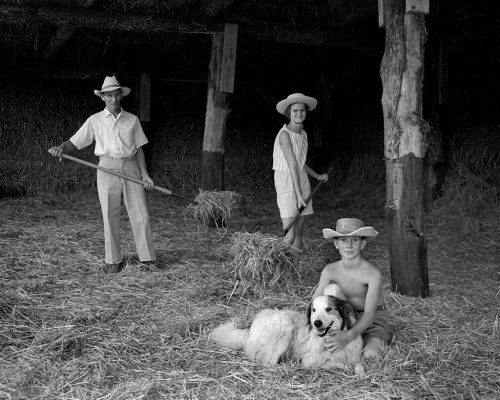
(358,281)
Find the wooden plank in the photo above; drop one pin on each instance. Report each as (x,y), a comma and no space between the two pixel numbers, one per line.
(297,33)
(381,21)
(229,58)
(417,7)
(145,98)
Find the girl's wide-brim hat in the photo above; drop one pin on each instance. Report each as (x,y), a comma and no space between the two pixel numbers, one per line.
(111,83)
(296,98)
(349,227)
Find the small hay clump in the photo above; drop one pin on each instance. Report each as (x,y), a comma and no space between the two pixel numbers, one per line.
(262,258)
(213,206)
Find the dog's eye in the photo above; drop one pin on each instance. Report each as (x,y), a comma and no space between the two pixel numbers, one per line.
(313,310)
(328,309)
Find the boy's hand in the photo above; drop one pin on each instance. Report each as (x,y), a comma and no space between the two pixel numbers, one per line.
(337,340)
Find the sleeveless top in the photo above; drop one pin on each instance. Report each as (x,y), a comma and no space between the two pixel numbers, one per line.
(299,146)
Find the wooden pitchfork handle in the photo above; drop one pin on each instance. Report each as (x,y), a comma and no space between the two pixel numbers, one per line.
(308,199)
(130,178)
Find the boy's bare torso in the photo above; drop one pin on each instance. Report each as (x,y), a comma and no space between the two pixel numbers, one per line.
(354,281)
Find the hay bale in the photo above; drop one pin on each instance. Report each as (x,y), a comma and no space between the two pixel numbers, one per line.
(213,208)
(262,258)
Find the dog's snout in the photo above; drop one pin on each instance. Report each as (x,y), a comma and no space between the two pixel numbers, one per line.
(317,323)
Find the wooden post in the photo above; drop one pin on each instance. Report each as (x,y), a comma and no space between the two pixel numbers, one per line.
(229,58)
(212,164)
(145,114)
(145,98)
(405,147)
(381,16)
(417,6)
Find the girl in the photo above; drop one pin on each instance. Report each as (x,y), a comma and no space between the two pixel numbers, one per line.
(290,168)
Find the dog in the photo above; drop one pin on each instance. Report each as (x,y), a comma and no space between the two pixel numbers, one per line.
(275,335)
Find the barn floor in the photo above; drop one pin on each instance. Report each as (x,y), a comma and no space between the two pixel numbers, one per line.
(69,331)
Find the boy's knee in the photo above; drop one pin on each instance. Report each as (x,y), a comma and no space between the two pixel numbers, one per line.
(373,348)
(369,353)
(334,290)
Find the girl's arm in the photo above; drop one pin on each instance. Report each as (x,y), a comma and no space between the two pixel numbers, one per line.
(314,174)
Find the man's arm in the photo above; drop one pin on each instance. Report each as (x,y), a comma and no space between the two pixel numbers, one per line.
(141,160)
(65,148)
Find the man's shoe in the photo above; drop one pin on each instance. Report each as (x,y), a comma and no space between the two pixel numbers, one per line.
(112,268)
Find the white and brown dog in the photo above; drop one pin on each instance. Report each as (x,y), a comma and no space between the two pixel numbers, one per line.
(275,335)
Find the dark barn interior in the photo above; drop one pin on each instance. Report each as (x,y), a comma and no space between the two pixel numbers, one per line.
(65,48)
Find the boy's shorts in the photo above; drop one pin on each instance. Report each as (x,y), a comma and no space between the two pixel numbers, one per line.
(285,194)
(379,328)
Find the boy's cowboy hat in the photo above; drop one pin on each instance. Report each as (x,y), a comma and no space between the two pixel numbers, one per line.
(111,83)
(296,98)
(349,227)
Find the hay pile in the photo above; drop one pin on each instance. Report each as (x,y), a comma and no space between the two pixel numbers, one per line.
(262,258)
(214,207)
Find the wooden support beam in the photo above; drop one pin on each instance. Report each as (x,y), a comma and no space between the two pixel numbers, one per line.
(229,58)
(126,22)
(145,98)
(217,113)
(405,132)
(381,17)
(417,7)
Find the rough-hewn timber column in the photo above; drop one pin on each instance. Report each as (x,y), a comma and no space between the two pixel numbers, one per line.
(212,165)
(405,147)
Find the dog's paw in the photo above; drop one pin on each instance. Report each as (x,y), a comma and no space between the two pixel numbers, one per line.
(359,370)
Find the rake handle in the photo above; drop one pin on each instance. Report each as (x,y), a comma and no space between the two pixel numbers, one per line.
(301,208)
(129,178)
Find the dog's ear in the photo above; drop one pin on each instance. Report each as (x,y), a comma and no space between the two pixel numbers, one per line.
(308,315)
(346,311)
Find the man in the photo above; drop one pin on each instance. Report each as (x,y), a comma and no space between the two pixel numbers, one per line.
(119,138)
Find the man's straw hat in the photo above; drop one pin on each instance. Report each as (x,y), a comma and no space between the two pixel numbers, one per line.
(296,98)
(111,83)
(349,227)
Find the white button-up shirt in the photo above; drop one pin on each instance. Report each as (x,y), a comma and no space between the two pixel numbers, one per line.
(114,137)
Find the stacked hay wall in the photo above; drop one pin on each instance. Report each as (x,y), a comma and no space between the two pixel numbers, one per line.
(38,114)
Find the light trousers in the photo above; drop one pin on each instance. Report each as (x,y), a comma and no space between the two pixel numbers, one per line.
(111,190)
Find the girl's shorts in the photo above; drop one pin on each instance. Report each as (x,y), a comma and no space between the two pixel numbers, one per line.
(286,198)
